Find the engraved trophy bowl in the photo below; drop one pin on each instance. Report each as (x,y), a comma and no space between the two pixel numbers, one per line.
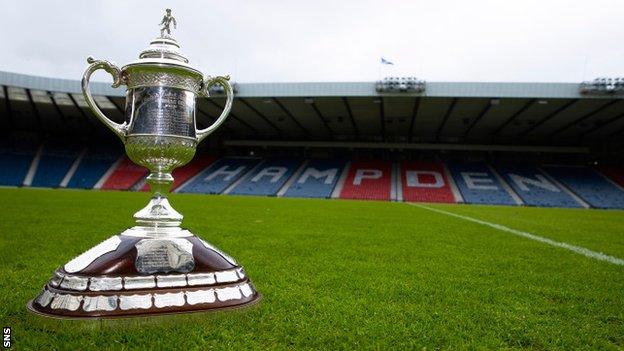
(155,267)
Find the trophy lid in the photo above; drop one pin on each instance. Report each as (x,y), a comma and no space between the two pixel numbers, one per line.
(164,50)
(163,47)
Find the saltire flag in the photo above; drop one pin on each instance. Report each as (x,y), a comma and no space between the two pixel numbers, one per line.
(386,62)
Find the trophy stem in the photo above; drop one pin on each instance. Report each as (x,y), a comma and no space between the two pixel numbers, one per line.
(159,212)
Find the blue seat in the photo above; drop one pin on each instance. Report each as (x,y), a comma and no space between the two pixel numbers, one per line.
(592,187)
(267,178)
(478,185)
(318,179)
(93,166)
(534,187)
(55,162)
(14,165)
(218,176)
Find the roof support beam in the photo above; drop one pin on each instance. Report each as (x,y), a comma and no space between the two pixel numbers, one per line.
(59,112)
(410,135)
(305,131)
(234,116)
(84,115)
(606,123)
(350,113)
(513,117)
(582,118)
(210,118)
(547,118)
(445,118)
(320,116)
(8,106)
(616,133)
(485,110)
(36,111)
(264,118)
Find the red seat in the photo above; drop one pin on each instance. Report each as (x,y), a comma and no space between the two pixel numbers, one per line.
(430,184)
(614,173)
(368,180)
(125,176)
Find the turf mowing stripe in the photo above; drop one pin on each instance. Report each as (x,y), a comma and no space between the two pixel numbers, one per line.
(577,249)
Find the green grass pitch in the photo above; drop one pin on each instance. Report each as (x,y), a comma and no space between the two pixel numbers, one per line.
(337,274)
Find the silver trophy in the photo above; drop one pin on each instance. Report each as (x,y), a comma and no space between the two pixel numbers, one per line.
(156,266)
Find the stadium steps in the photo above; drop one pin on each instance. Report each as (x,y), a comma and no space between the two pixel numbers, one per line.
(92,167)
(317,179)
(425,182)
(14,165)
(124,176)
(368,180)
(478,184)
(615,174)
(267,179)
(54,162)
(219,175)
(534,187)
(589,185)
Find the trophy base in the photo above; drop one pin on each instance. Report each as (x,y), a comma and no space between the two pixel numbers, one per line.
(145,271)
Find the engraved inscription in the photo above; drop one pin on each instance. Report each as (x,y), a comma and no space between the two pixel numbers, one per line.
(164,255)
(163,111)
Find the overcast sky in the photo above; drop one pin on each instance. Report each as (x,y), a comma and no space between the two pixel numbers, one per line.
(318,40)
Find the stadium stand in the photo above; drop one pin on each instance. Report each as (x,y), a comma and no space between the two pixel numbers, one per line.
(316,127)
(93,166)
(186,172)
(534,187)
(478,185)
(219,176)
(368,180)
(54,163)
(317,179)
(125,175)
(268,178)
(15,161)
(425,182)
(591,186)
(614,173)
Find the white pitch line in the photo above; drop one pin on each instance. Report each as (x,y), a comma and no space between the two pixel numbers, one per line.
(577,249)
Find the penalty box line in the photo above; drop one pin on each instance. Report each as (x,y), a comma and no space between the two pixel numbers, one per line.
(577,249)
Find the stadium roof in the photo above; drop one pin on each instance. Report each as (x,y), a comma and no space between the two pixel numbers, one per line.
(506,114)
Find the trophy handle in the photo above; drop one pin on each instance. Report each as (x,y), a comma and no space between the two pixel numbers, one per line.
(115,72)
(224,82)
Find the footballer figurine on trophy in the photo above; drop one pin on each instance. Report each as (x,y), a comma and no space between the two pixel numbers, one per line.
(155,267)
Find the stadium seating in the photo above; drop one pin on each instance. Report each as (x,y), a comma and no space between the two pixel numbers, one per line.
(219,176)
(425,182)
(14,164)
(534,187)
(614,173)
(478,185)
(93,166)
(125,175)
(318,179)
(54,163)
(368,180)
(591,186)
(183,174)
(267,178)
